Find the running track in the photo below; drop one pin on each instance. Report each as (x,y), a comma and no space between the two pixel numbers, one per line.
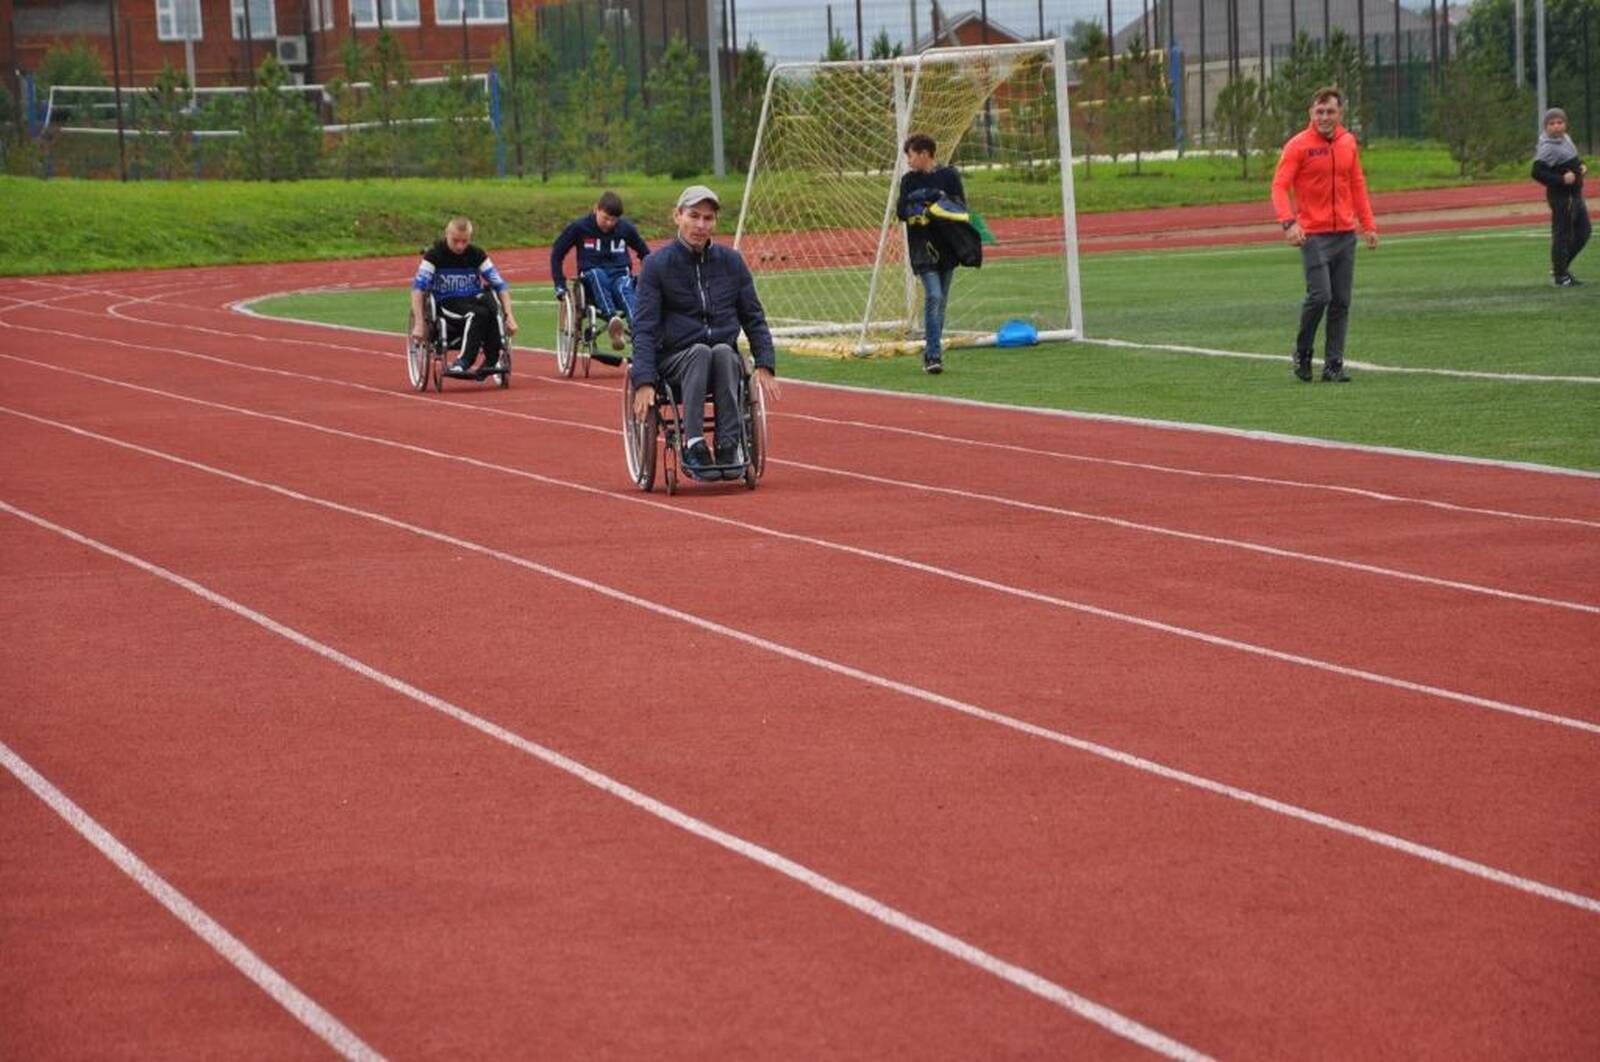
(339,719)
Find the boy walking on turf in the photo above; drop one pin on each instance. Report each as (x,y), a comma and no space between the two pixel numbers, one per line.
(1320,195)
(1556,165)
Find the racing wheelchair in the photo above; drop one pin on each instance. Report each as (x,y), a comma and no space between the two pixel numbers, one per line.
(428,361)
(658,439)
(578,329)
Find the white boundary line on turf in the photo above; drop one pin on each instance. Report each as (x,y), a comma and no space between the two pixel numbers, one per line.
(1465,374)
(238,954)
(244,307)
(1137,763)
(863,903)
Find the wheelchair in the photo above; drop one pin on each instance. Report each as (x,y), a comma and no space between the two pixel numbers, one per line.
(578,329)
(427,362)
(658,440)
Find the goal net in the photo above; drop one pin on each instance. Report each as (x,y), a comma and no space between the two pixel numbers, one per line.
(819,225)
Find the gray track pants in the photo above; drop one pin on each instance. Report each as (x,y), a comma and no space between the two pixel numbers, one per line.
(1329,259)
(699,369)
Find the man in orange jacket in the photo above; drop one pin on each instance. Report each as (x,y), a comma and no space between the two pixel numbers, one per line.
(1320,195)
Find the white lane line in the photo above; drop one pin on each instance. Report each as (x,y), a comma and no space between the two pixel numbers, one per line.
(1093,748)
(1023,593)
(305,1010)
(1210,540)
(1128,525)
(1175,470)
(951,945)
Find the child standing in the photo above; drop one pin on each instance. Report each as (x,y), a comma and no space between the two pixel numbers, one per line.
(1556,165)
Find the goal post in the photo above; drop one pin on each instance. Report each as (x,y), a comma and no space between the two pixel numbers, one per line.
(819,225)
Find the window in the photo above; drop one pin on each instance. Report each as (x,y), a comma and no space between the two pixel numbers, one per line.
(178,20)
(448,12)
(395,13)
(321,14)
(263,19)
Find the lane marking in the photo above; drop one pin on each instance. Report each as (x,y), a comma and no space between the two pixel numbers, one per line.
(1021,977)
(1007,589)
(1175,470)
(1388,841)
(305,1010)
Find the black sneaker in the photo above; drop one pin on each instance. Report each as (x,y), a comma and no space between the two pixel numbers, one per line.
(1302,367)
(460,367)
(728,454)
(933,366)
(1567,280)
(1334,374)
(697,462)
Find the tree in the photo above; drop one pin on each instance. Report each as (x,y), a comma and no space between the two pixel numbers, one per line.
(839,50)
(279,138)
(461,133)
(1238,111)
(1487,37)
(1089,111)
(537,93)
(882,49)
(677,129)
(167,120)
(597,134)
(69,64)
(1479,115)
(741,107)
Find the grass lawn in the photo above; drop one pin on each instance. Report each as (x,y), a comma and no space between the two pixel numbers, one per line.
(1474,302)
(99,225)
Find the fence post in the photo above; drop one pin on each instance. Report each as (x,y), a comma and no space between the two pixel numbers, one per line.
(495,123)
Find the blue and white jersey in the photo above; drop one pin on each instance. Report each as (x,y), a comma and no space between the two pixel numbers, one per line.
(449,275)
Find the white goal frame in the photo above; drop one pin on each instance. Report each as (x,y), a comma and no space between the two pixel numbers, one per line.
(906,76)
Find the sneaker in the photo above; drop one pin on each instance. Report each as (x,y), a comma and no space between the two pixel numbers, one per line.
(697,462)
(1334,374)
(1302,367)
(729,454)
(1567,280)
(460,367)
(615,327)
(933,366)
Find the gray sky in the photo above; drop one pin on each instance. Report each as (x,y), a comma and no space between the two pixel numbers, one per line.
(787,30)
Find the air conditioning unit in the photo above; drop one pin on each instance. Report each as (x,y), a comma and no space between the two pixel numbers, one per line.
(292,51)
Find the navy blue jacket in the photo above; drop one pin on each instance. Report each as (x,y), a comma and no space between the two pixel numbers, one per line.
(596,249)
(685,297)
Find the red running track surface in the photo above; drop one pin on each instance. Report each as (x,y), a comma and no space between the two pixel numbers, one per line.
(972,732)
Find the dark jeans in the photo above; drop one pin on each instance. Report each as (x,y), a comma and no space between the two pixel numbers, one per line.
(701,369)
(479,332)
(935,298)
(1329,260)
(1569,230)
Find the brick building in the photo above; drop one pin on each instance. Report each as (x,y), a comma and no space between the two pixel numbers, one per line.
(209,38)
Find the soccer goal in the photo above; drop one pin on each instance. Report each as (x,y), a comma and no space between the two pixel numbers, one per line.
(819,226)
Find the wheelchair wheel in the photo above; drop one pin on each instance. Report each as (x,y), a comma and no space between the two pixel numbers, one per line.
(755,435)
(568,316)
(503,379)
(639,443)
(419,357)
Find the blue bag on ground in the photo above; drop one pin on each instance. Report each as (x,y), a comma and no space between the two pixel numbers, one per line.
(1016,333)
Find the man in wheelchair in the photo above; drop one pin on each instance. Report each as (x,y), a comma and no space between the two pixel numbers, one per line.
(694,298)
(467,291)
(603,239)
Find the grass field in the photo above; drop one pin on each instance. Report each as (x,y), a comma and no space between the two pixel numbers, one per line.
(1456,303)
(67,226)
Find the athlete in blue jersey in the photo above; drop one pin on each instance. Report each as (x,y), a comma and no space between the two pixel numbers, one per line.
(464,280)
(603,240)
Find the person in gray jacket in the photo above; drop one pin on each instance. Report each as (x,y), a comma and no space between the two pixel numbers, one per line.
(694,297)
(1557,166)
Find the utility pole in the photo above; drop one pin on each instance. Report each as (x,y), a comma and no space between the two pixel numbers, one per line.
(116,84)
(719,163)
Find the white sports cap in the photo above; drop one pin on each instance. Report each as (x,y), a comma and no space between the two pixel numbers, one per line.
(698,193)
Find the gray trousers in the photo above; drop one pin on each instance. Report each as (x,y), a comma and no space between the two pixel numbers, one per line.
(701,369)
(1330,264)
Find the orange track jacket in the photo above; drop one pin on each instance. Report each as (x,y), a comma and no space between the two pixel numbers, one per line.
(1330,191)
